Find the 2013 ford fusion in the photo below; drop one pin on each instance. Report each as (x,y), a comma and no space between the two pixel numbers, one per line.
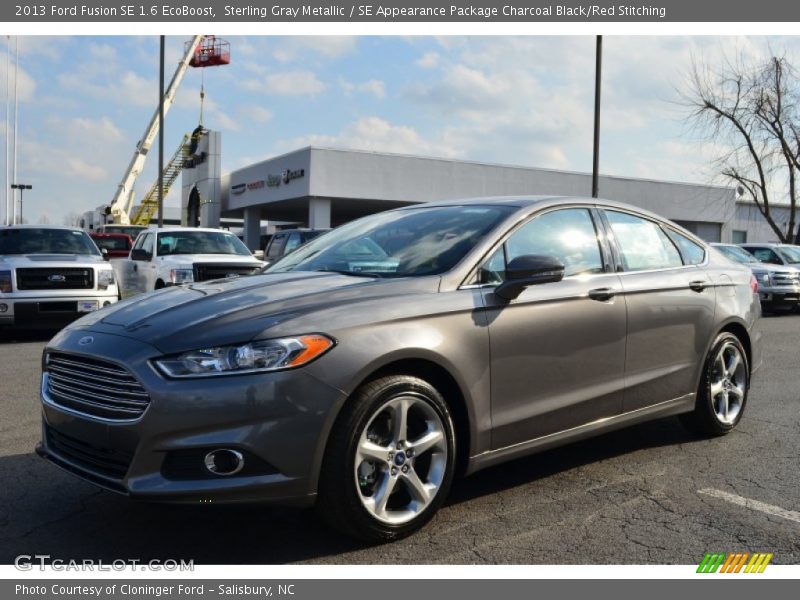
(362,372)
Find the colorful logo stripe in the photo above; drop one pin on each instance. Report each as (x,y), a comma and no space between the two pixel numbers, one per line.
(734,562)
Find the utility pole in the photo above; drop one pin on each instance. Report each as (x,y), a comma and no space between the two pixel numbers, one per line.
(597,78)
(16,119)
(8,139)
(161,134)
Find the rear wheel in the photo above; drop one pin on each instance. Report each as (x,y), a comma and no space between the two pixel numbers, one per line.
(389,463)
(723,390)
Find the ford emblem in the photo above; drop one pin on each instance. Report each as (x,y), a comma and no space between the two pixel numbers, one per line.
(85,341)
(55,278)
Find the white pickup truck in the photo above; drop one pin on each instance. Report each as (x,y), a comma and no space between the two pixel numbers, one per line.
(175,255)
(51,275)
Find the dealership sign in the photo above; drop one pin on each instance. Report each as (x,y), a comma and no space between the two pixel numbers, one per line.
(273,181)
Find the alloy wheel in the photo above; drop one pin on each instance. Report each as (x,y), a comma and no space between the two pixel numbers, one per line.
(728,383)
(401,459)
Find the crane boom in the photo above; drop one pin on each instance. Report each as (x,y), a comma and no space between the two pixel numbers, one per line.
(122,203)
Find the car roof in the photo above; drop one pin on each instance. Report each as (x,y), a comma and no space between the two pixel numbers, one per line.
(41,226)
(185,229)
(765,244)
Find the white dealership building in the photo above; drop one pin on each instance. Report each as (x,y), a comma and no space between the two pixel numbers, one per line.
(323,187)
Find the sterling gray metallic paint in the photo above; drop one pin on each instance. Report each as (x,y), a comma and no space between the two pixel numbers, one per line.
(550,366)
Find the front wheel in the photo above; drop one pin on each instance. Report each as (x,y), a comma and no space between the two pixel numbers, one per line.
(390,460)
(723,390)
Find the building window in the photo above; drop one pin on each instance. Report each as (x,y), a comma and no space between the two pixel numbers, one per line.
(738,236)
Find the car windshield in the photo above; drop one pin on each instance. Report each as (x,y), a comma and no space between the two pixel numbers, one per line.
(114,242)
(790,254)
(35,240)
(738,254)
(200,242)
(403,243)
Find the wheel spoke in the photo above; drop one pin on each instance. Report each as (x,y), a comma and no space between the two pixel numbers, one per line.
(418,490)
(716,388)
(426,442)
(723,405)
(736,392)
(400,419)
(382,494)
(369,450)
(733,364)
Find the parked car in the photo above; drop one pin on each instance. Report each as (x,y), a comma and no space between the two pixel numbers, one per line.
(363,380)
(778,285)
(51,275)
(175,255)
(285,241)
(775,254)
(113,245)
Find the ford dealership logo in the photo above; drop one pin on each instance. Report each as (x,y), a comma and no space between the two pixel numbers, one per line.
(85,341)
(57,278)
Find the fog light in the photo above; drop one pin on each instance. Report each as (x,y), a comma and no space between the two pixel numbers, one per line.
(3,308)
(224,462)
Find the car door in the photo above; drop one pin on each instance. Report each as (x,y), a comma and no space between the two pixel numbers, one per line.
(145,267)
(558,349)
(671,302)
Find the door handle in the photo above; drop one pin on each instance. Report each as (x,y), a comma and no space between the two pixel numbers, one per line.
(698,286)
(602,294)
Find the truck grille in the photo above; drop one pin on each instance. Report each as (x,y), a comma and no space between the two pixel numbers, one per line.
(104,461)
(55,279)
(94,387)
(787,279)
(206,272)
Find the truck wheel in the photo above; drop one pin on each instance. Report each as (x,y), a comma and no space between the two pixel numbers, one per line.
(390,460)
(160,284)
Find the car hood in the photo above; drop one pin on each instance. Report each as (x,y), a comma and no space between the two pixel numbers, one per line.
(48,260)
(769,267)
(232,311)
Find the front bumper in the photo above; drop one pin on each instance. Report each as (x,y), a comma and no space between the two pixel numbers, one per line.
(50,311)
(278,421)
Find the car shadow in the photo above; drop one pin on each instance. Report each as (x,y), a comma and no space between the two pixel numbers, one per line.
(51,512)
(21,336)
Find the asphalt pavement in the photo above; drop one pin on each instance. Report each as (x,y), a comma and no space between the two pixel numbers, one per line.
(649,494)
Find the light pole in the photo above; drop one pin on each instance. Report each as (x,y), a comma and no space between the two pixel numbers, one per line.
(21,187)
(598,57)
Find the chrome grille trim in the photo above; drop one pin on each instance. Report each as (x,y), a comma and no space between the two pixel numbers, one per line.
(71,383)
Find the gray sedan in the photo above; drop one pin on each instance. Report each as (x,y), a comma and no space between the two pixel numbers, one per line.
(365,370)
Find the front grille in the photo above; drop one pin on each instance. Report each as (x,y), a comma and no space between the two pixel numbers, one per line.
(55,279)
(788,279)
(103,461)
(205,272)
(94,387)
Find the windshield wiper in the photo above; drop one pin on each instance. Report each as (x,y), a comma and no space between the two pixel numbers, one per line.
(353,273)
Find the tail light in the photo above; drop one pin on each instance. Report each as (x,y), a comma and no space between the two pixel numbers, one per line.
(753,283)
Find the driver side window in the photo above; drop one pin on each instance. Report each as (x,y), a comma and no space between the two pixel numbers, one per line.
(567,234)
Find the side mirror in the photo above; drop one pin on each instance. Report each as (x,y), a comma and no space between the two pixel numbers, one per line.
(140,254)
(104,252)
(528,270)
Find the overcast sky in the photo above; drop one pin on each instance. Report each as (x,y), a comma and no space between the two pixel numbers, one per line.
(85,101)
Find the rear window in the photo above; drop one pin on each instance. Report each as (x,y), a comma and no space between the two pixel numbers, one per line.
(113,243)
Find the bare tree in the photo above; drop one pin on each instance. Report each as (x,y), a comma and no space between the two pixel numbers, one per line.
(44,219)
(71,219)
(751,112)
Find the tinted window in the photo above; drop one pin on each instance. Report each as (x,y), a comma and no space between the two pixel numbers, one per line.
(791,254)
(737,254)
(112,243)
(276,245)
(292,243)
(643,244)
(766,255)
(35,240)
(568,235)
(693,253)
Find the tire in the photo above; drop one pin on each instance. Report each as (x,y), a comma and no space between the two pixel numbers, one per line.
(368,455)
(724,385)
(159,285)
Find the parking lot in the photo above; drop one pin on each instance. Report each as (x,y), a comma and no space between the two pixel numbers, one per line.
(632,496)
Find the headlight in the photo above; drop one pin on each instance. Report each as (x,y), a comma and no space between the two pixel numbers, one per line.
(178,276)
(262,356)
(105,278)
(5,282)
(763,279)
